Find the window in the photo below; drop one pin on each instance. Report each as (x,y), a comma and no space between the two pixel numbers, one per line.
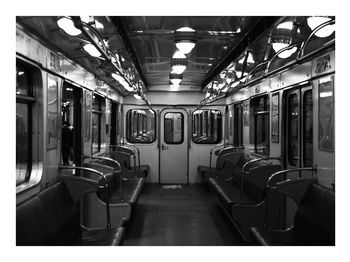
(24,101)
(96,123)
(259,125)
(238,125)
(293,128)
(173,128)
(308,130)
(140,126)
(206,126)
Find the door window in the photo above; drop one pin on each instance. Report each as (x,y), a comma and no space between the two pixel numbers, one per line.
(173,128)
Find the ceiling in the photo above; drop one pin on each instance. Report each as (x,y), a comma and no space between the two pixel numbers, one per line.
(146,45)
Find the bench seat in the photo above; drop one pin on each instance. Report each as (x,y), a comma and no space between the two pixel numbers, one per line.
(314,222)
(51,218)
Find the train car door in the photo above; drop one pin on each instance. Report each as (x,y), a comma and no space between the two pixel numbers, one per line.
(298,142)
(71,144)
(173,147)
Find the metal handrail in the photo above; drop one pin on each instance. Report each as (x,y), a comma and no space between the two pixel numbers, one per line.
(211,152)
(106,186)
(251,162)
(303,46)
(279,52)
(251,71)
(115,171)
(283,172)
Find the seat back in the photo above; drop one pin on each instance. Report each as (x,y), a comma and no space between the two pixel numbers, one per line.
(48,218)
(314,222)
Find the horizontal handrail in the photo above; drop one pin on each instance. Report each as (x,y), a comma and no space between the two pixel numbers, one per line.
(211,152)
(283,172)
(251,162)
(115,171)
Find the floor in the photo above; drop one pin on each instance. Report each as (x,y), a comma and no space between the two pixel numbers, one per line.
(186,215)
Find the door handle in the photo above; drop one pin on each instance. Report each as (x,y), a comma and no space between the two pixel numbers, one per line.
(164,147)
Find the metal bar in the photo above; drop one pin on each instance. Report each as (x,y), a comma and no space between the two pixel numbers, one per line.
(120,25)
(106,186)
(262,24)
(304,44)
(115,171)
(279,52)
(312,169)
(211,152)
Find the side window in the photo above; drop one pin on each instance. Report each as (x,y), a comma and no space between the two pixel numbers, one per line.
(207,126)
(238,125)
(140,126)
(259,125)
(24,103)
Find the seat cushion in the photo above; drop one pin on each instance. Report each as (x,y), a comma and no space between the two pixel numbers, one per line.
(101,237)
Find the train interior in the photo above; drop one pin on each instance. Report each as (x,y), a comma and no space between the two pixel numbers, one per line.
(175,131)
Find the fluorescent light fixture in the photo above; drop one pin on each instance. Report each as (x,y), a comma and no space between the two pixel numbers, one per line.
(178,69)
(175,81)
(67,25)
(185,46)
(250,59)
(179,55)
(174,86)
(123,82)
(185,39)
(326,94)
(92,50)
(137,97)
(185,29)
(285,54)
(286,25)
(315,21)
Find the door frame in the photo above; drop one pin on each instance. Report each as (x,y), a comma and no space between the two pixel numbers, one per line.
(185,112)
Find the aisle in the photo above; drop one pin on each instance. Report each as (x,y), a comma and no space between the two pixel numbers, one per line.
(186,216)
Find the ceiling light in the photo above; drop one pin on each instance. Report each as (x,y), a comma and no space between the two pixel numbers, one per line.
(175,81)
(92,50)
(207,95)
(179,55)
(285,54)
(67,25)
(85,18)
(173,86)
(286,25)
(178,69)
(185,39)
(137,97)
(123,82)
(250,59)
(315,21)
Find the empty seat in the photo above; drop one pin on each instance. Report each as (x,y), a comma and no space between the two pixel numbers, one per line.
(314,222)
(52,218)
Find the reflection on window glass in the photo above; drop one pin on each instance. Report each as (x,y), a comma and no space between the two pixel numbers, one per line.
(67,128)
(173,128)
(206,126)
(140,126)
(22,141)
(96,123)
(308,130)
(259,125)
(23,124)
(238,125)
(293,129)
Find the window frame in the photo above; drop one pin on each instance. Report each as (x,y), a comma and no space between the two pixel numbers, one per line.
(175,123)
(253,130)
(99,114)
(132,127)
(206,126)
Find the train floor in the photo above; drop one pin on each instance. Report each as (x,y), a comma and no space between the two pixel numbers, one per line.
(179,216)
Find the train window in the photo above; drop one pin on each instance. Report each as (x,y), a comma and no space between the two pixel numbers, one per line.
(24,101)
(259,125)
(293,127)
(96,123)
(140,126)
(308,130)
(238,125)
(206,126)
(173,128)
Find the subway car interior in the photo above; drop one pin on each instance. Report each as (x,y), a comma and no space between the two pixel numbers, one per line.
(175,131)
